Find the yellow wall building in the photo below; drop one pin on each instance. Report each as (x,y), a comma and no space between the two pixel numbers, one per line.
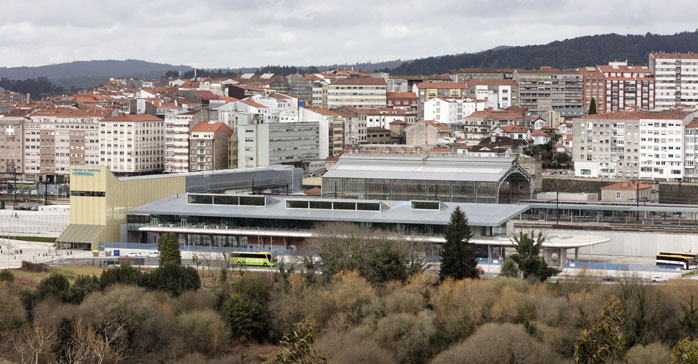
(99,202)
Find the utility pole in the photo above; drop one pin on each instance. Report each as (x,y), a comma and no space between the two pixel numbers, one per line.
(637,200)
(557,203)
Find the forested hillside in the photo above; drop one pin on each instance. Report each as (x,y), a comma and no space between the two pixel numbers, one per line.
(569,53)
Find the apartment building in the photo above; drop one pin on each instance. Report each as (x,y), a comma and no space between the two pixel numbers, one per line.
(594,88)
(12,145)
(466,74)
(132,144)
(549,89)
(676,79)
(402,100)
(480,124)
(279,143)
(428,90)
(357,92)
(497,93)
(327,121)
(451,111)
(177,127)
(627,87)
(208,146)
(55,139)
(630,145)
(691,150)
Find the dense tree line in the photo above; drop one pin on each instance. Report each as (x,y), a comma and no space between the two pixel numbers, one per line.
(350,316)
(37,87)
(568,53)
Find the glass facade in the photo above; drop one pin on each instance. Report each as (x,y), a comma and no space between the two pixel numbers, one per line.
(406,190)
(136,221)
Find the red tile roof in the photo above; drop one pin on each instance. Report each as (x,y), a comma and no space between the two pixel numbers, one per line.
(438,125)
(626,185)
(636,115)
(675,55)
(214,127)
(73,113)
(253,104)
(539,133)
(321,111)
(513,129)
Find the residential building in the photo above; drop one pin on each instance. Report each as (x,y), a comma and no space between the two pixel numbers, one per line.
(208,146)
(397,84)
(497,93)
(540,137)
(12,145)
(512,131)
(466,74)
(451,111)
(357,92)
(676,79)
(402,100)
(691,150)
(549,89)
(277,143)
(428,133)
(380,136)
(626,191)
(594,89)
(177,128)
(331,133)
(627,87)
(58,138)
(480,124)
(428,90)
(630,145)
(132,144)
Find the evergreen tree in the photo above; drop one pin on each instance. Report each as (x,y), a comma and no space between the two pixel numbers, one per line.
(528,258)
(168,245)
(592,106)
(458,256)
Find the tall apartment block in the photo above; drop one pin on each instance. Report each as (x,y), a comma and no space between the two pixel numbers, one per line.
(676,79)
(627,145)
(132,144)
(618,87)
(549,89)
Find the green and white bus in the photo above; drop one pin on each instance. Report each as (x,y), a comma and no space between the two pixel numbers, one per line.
(265,259)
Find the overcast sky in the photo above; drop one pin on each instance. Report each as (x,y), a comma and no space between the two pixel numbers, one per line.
(231,33)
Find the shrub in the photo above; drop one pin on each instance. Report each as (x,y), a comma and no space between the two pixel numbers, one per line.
(498,343)
(172,278)
(197,300)
(6,276)
(348,293)
(654,353)
(55,285)
(81,287)
(408,336)
(204,332)
(124,274)
(354,347)
(509,268)
(12,313)
(246,317)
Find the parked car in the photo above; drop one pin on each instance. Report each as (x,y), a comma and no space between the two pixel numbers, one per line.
(609,278)
(133,254)
(658,279)
(154,255)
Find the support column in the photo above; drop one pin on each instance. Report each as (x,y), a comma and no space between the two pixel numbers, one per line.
(576,254)
(563,257)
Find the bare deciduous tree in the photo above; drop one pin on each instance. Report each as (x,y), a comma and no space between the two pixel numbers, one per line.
(32,341)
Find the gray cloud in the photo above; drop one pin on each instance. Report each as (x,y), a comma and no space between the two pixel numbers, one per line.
(223,33)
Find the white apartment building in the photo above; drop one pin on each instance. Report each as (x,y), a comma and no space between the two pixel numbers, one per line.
(132,143)
(55,139)
(630,145)
(675,79)
(451,111)
(324,118)
(177,127)
(690,148)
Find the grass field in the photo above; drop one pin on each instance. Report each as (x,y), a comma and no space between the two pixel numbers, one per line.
(32,279)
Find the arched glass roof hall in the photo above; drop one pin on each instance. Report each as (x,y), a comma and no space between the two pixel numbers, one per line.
(443,178)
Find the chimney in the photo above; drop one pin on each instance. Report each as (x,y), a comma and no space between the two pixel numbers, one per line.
(493,139)
(29,98)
